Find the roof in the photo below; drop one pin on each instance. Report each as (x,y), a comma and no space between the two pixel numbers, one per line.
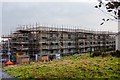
(9,63)
(24,56)
(43,54)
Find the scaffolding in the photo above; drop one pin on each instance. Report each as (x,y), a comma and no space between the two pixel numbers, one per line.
(41,39)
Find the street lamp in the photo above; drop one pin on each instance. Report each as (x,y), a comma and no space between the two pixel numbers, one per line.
(9,50)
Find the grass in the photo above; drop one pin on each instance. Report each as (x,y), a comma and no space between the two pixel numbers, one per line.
(74,67)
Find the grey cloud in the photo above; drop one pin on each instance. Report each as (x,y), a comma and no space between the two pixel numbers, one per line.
(51,13)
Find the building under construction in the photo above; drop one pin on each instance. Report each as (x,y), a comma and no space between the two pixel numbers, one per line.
(52,40)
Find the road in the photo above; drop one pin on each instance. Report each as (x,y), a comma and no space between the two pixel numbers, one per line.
(5,76)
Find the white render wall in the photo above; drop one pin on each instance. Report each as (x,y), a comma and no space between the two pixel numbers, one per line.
(118,38)
(118,41)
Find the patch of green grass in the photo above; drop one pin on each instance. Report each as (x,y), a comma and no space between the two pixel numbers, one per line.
(82,66)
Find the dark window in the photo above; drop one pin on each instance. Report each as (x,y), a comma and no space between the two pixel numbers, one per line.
(98,37)
(90,42)
(69,36)
(26,38)
(107,42)
(69,50)
(44,43)
(24,34)
(90,37)
(61,43)
(51,35)
(51,51)
(61,50)
(81,43)
(56,43)
(44,38)
(69,44)
(98,42)
(61,36)
(51,44)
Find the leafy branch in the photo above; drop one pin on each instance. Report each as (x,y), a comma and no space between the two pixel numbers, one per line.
(112,7)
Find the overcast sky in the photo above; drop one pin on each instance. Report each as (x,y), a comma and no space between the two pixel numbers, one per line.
(69,13)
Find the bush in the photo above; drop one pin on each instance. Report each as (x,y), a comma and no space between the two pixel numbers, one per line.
(112,53)
(104,54)
(115,54)
(96,53)
(108,49)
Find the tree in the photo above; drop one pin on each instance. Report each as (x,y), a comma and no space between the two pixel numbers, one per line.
(112,8)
